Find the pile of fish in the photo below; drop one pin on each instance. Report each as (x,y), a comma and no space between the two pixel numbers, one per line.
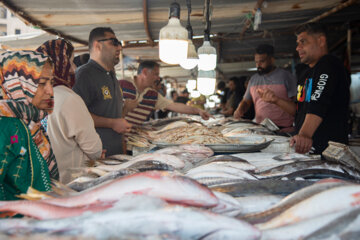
(187,192)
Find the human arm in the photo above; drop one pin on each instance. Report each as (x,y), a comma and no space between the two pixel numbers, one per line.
(269,96)
(119,125)
(303,140)
(242,108)
(182,108)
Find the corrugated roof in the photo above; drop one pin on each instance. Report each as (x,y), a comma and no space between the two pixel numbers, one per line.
(74,19)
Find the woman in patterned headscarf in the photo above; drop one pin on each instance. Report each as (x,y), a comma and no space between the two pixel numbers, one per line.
(70,127)
(26,158)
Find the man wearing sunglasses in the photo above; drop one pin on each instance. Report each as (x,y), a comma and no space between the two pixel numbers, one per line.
(96,83)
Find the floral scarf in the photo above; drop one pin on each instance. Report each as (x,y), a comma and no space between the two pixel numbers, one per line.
(19,75)
(60,52)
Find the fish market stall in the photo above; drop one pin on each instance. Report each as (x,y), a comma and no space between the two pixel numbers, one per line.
(192,181)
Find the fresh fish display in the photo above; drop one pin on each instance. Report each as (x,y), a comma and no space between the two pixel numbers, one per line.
(170,187)
(138,223)
(83,184)
(257,203)
(41,210)
(168,159)
(347,226)
(223,172)
(190,153)
(316,174)
(292,200)
(220,158)
(229,167)
(301,165)
(192,134)
(151,165)
(329,201)
(247,187)
(302,229)
(227,206)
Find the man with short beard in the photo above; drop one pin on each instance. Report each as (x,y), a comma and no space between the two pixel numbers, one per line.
(97,85)
(278,80)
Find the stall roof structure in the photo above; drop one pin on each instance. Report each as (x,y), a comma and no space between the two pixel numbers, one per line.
(138,22)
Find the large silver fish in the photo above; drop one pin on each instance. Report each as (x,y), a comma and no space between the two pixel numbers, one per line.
(329,201)
(292,200)
(41,210)
(174,222)
(164,185)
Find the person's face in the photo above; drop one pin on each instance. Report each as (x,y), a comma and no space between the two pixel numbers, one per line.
(232,86)
(110,50)
(152,75)
(308,47)
(43,97)
(263,63)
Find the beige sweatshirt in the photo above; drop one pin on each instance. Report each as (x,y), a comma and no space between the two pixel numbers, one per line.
(72,132)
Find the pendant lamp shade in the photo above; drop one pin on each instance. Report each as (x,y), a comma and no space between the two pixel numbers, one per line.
(207,57)
(173,44)
(192,57)
(206,82)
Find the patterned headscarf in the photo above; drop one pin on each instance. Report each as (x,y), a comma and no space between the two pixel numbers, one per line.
(19,75)
(60,52)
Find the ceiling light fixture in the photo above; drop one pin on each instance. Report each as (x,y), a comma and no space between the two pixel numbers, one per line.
(173,44)
(192,57)
(207,53)
(206,82)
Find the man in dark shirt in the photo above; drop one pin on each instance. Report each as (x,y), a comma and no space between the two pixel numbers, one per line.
(96,83)
(323,93)
(322,97)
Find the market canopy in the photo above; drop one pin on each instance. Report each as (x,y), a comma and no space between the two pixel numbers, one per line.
(137,23)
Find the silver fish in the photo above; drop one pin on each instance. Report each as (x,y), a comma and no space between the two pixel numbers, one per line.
(292,200)
(184,223)
(322,203)
(165,185)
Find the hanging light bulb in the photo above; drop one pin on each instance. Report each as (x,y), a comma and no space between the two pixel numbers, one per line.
(192,57)
(173,44)
(207,56)
(207,53)
(191,84)
(206,82)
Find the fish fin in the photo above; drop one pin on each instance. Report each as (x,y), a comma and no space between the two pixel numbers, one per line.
(61,188)
(33,194)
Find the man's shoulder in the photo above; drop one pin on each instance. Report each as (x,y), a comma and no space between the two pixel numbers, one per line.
(329,61)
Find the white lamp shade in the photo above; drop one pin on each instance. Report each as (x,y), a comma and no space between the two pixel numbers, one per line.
(207,57)
(173,44)
(191,84)
(206,82)
(192,57)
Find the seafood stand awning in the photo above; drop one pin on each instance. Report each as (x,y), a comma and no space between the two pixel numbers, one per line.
(137,23)
(191,179)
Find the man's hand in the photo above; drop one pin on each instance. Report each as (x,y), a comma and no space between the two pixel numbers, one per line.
(303,144)
(103,154)
(238,113)
(267,95)
(120,125)
(204,115)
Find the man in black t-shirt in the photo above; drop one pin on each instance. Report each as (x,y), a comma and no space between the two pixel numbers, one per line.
(323,94)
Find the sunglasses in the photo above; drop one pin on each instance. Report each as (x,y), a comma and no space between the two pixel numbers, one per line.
(114,41)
